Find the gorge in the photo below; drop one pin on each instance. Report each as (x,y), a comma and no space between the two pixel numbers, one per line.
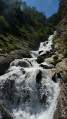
(27,89)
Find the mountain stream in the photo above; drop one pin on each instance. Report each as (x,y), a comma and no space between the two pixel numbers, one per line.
(27,89)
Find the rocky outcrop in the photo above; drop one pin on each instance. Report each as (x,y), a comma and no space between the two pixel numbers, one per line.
(54,77)
(61,109)
(61,70)
(6,59)
(40,59)
(46,66)
(38,76)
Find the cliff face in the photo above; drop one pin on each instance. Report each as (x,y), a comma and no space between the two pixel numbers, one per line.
(60,47)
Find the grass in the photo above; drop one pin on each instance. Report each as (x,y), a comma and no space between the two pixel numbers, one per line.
(8,44)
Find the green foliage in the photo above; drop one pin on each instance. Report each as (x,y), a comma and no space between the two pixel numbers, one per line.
(65,38)
(56,61)
(53,42)
(65,78)
(22,22)
(55,57)
(8,43)
(65,53)
(48,30)
(61,13)
(62,2)
(4,25)
(54,19)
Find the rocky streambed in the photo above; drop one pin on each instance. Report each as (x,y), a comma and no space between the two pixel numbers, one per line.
(29,89)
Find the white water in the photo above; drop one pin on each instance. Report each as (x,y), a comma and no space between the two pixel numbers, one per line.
(30,100)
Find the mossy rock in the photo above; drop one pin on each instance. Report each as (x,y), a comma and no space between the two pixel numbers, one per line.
(65,79)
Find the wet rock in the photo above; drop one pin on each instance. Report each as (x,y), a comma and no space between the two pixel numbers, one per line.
(6,59)
(43,99)
(46,66)
(58,75)
(6,113)
(40,52)
(42,96)
(8,89)
(48,52)
(54,77)
(40,59)
(23,71)
(27,75)
(38,76)
(20,62)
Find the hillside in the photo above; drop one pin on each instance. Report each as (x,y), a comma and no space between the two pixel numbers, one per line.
(21,30)
(60,62)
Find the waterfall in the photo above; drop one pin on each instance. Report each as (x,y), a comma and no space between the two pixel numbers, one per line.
(27,89)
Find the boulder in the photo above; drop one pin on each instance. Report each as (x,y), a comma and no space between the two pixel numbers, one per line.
(46,66)
(54,77)
(40,51)
(20,62)
(6,59)
(8,89)
(38,76)
(23,71)
(40,59)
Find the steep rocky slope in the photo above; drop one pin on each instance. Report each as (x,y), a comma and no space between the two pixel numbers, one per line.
(60,61)
(12,48)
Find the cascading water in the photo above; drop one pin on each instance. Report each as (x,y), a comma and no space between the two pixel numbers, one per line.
(27,89)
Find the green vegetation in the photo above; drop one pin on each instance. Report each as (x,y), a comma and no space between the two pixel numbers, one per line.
(20,22)
(65,78)
(4,25)
(53,43)
(56,60)
(64,40)
(65,53)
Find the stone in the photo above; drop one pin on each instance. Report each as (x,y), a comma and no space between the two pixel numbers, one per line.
(40,59)
(46,66)
(38,76)
(54,78)
(40,51)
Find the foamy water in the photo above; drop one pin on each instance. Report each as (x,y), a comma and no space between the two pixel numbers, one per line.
(26,98)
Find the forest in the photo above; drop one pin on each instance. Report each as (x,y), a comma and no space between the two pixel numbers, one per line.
(19,20)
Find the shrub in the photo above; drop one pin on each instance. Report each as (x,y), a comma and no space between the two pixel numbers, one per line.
(48,31)
(56,60)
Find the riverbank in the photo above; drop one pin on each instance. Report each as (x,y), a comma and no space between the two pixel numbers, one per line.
(27,81)
(60,62)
